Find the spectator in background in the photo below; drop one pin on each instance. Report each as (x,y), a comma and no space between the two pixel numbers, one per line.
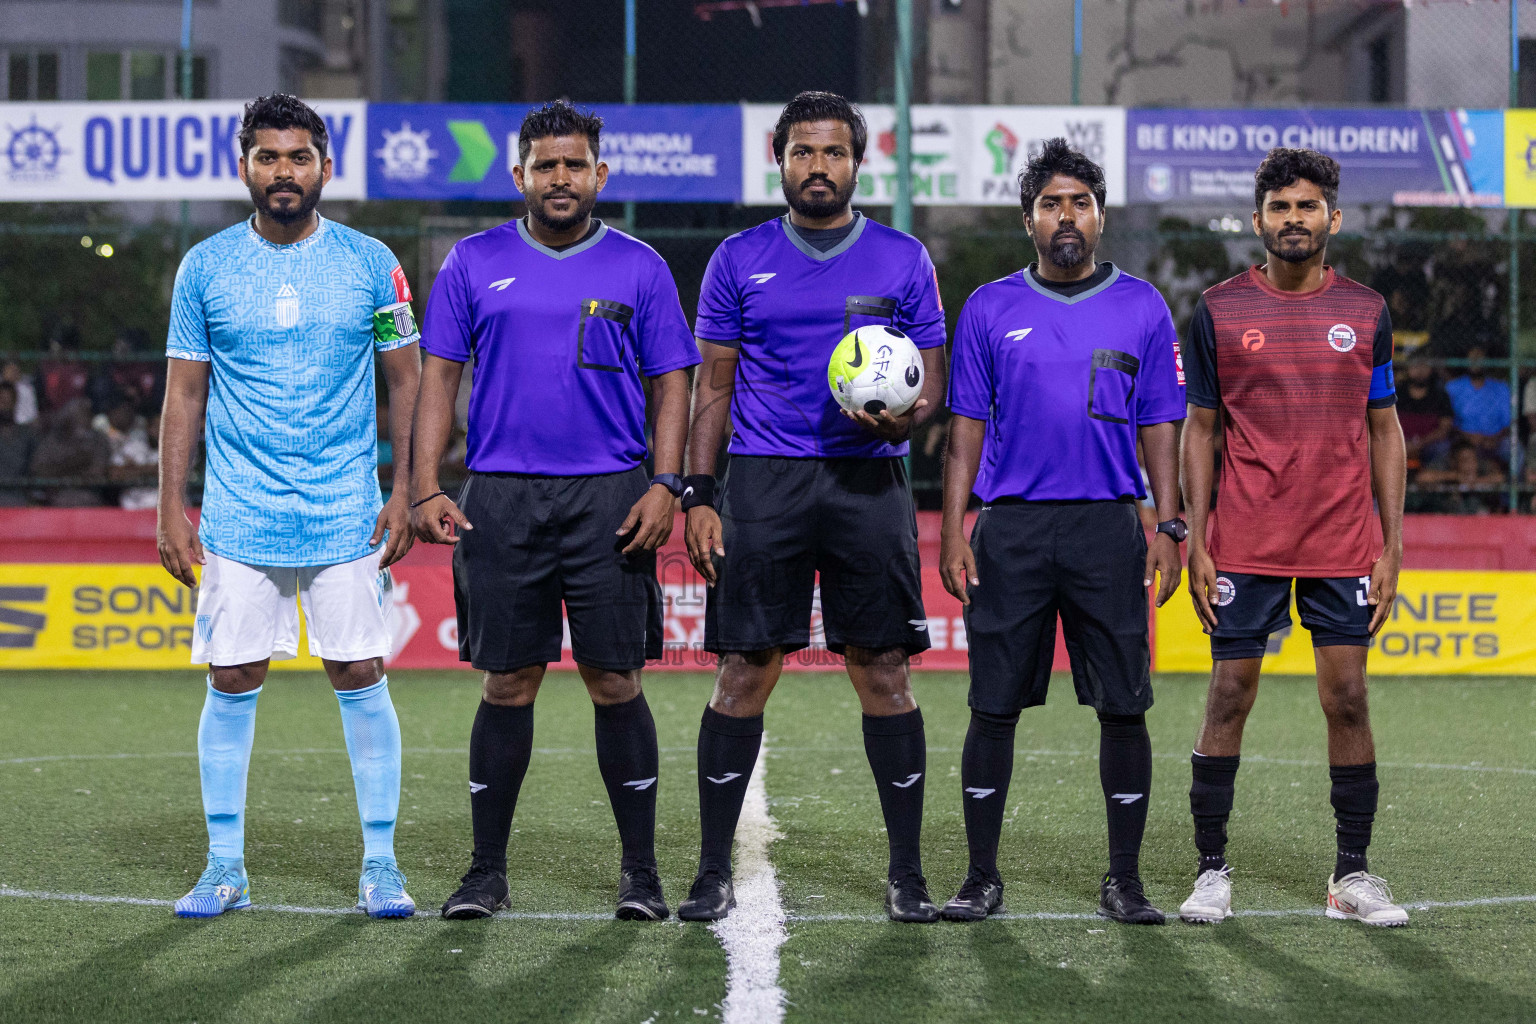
(63,377)
(1470,486)
(69,448)
(26,392)
(1425,411)
(17,441)
(135,459)
(1463,302)
(1403,284)
(1481,405)
(142,380)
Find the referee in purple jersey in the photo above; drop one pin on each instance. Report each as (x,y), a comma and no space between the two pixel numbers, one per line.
(565,320)
(1058,370)
(809,490)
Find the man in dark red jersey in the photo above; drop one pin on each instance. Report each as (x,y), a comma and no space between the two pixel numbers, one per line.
(1296,364)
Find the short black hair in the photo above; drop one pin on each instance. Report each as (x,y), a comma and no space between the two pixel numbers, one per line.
(1057,157)
(557,118)
(1284,167)
(820,106)
(280,110)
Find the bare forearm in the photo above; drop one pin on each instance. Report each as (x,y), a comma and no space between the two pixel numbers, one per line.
(181,417)
(933,385)
(1198,459)
(403,375)
(670,391)
(432,423)
(962,461)
(714,386)
(1160,447)
(1389,474)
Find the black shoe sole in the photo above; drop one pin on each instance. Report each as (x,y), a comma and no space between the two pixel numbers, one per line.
(925,919)
(471,911)
(1159,919)
(684,913)
(639,912)
(968,914)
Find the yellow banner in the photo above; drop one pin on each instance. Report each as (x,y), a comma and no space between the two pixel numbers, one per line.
(1476,623)
(101,616)
(1519,158)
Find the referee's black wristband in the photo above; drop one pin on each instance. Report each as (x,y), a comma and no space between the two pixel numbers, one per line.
(434,494)
(698,489)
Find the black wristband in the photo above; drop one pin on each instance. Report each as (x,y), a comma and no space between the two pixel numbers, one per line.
(698,489)
(434,494)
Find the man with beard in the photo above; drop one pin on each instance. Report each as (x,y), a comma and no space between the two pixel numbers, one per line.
(1058,371)
(275,323)
(810,489)
(1296,364)
(568,321)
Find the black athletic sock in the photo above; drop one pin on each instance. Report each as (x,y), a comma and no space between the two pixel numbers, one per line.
(727,752)
(1210,801)
(628,759)
(986,767)
(1354,809)
(1125,772)
(499,747)
(898,755)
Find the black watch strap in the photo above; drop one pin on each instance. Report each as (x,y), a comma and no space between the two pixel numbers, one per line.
(1175,528)
(671,481)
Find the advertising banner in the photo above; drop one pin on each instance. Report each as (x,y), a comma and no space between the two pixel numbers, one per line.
(655,153)
(1444,622)
(1520,158)
(103,152)
(961,156)
(1400,157)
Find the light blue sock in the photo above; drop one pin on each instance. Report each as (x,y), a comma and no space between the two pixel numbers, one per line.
(224,737)
(373,742)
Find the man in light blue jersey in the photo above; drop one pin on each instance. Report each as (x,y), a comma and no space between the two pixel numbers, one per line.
(274,326)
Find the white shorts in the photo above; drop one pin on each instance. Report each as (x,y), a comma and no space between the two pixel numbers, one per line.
(249,613)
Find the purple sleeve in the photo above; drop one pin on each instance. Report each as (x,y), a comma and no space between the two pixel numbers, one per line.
(719,312)
(921,316)
(970,368)
(1159,384)
(665,342)
(447,329)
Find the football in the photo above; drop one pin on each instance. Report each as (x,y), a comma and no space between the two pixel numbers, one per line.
(874,368)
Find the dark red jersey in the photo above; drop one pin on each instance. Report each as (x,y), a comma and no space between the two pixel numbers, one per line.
(1293,375)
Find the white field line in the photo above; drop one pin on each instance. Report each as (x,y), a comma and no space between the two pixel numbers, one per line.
(281,908)
(338,751)
(754,931)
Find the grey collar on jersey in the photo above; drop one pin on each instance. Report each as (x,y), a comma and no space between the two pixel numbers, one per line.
(560,254)
(1029,279)
(837,250)
(303,243)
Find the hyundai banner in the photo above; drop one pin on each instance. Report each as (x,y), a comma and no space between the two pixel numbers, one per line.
(95,152)
(1396,157)
(655,153)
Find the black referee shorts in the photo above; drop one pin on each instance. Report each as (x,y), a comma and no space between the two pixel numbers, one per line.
(785,520)
(1249,608)
(539,540)
(1083,560)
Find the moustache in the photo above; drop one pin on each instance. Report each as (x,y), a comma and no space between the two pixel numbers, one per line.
(274,189)
(817,180)
(1296,233)
(1068,233)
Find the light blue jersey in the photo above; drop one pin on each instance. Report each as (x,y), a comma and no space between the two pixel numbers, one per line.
(292,466)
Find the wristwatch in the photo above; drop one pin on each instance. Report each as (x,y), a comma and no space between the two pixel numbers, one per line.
(1175,528)
(671,481)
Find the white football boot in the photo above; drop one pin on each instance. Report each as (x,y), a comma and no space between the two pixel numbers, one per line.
(1363,897)
(1211,902)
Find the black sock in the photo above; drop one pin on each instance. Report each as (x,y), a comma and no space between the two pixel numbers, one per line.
(1354,809)
(1125,772)
(727,751)
(1210,801)
(499,747)
(628,759)
(986,767)
(898,755)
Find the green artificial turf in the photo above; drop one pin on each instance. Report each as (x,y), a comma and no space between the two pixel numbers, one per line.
(1458,793)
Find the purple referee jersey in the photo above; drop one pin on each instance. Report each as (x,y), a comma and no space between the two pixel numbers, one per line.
(559,340)
(1064,383)
(786,306)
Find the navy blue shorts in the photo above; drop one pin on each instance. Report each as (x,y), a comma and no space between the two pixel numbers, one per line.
(1250,608)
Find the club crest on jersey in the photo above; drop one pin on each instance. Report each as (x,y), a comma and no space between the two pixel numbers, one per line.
(1226,591)
(1253,339)
(286,311)
(1341,337)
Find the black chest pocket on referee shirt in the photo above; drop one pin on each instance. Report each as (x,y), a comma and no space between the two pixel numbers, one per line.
(1111,385)
(865,310)
(600,338)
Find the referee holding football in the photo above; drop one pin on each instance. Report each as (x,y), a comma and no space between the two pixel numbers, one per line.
(1058,370)
(562,316)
